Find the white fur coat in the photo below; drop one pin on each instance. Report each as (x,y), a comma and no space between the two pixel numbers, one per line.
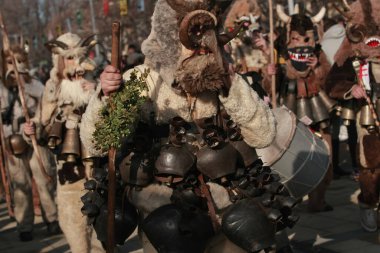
(253,116)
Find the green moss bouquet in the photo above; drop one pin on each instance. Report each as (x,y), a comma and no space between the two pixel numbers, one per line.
(121,114)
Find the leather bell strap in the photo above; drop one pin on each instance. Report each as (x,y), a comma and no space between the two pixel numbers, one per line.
(205,191)
(364,75)
(306,87)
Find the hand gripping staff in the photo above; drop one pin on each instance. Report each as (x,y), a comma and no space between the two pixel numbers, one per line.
(21,89)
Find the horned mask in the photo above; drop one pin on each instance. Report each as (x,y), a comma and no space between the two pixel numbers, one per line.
(301,42)
(247,11)
(70,56)
(20,52)
(362,31)
(202,68)
(181,32)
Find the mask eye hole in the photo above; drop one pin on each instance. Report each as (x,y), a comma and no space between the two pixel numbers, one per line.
(307,39)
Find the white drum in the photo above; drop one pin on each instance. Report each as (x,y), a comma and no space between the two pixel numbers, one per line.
(297,154)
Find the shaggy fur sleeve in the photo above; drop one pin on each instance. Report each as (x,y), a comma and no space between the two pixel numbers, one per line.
(89,119)
(253,116)
(46,107)
(340,80)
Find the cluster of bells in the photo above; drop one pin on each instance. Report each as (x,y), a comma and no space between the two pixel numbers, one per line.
(70,149)
(348,114)
(95,208)
(260,203)
(318,109)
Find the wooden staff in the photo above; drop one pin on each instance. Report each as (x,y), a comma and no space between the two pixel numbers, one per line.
(21,91)
(272,60)
(115,62)
(4,170)
(356,64)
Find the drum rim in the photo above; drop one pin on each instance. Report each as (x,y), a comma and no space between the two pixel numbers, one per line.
(288,141)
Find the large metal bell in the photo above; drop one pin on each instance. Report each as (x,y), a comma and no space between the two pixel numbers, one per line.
(290,101)
(71,145)
(304,109)
(17,144)
(338,110)
(378,107)
(55,135)
(320,113)
(348,113)
(366,118)
(327,101)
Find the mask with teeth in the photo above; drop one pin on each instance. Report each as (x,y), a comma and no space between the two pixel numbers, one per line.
(302,39)
(301,44)
(299,57)
(362,31)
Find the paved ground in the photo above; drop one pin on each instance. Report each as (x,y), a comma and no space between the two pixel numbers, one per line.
(338,231)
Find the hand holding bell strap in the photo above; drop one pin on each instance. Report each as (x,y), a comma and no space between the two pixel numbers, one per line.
(210,204)
(356,64)
(21,90)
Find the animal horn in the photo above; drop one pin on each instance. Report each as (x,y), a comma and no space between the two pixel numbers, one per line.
(342,12)
(345,5)
(354,33)
(21,41)
(89,41)
(281,14)
(6,44)
(182,6)
(56,43)
(55,46)
(318,18)
(296,9)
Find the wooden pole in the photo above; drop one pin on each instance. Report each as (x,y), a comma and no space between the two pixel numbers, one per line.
(115,62)
(4,170)
(272,60)
(21,91)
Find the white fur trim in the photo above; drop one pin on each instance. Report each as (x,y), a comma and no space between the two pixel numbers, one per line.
(71,92)
(253,116)
(151,197)
(89,119)
(72,222)
(219,196)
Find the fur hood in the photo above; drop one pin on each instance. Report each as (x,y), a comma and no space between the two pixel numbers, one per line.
(162,49)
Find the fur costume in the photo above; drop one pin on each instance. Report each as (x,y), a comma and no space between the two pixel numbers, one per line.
(246,57)
(21,158)
(306,83)
(363,36)
(63,101)
(175,89)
